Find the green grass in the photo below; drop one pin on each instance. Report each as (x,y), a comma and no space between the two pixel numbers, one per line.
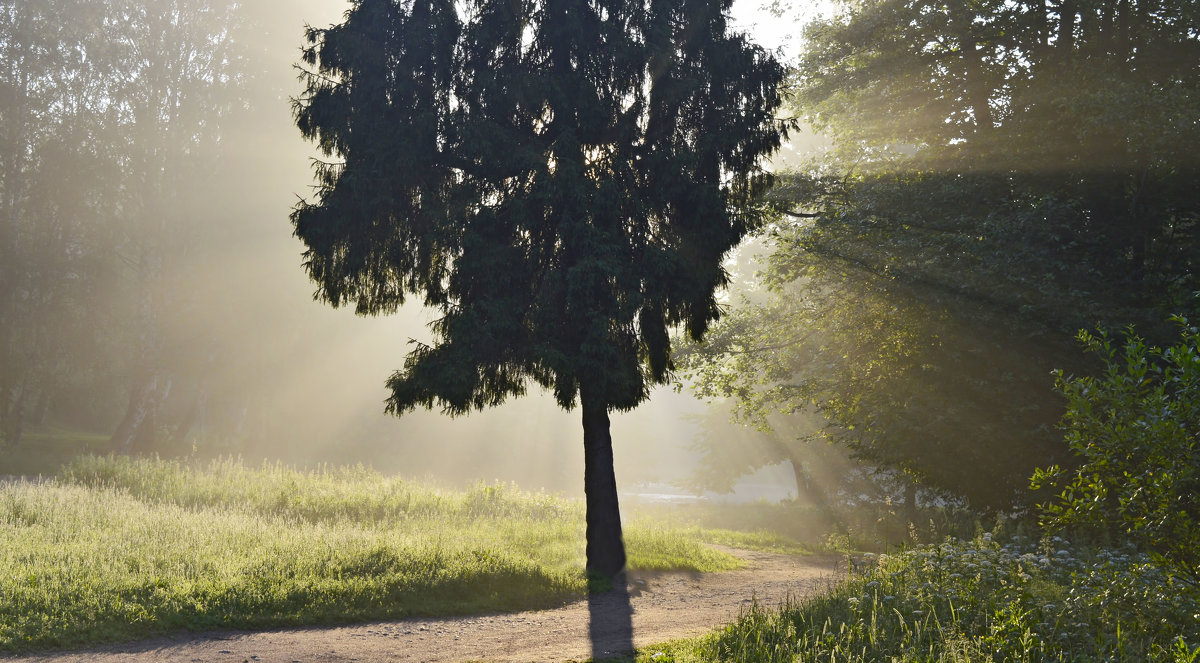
(790,526)
(759,539)
(972,602)
(43,448)
(115,549)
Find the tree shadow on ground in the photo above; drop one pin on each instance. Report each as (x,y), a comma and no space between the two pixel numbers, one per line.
(610,620)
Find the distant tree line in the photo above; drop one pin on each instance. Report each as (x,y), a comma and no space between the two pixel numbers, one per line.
(1002,175)
(112,211)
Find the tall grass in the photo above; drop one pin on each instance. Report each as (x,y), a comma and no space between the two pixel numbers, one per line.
(976,601)
(116,548)
(868,526)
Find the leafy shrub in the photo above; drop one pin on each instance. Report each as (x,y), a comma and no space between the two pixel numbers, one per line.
(1136,429)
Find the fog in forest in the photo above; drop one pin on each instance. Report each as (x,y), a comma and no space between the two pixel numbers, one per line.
(153,294)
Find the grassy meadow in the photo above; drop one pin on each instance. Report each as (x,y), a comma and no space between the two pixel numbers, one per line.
(114,548)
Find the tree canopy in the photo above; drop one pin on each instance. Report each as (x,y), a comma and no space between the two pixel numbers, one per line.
(1073,122)
(560,179)
(1003,174)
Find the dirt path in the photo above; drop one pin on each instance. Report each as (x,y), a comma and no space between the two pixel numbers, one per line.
(656,607)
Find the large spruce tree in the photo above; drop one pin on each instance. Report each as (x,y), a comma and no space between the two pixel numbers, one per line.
(559,178)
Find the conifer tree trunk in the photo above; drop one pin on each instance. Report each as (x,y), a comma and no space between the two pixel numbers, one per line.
(605,545)
(138,430)
(42,405)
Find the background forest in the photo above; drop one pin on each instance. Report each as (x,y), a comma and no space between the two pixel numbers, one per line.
(131,209)
(998,176)
(988,181)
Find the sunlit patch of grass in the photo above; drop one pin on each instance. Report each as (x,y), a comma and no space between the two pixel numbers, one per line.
(654,549)
(82,564)
(756,540)
(827,529)
(118,548)
(962,602)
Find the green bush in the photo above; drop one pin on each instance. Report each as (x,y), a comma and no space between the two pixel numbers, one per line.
(1135,429)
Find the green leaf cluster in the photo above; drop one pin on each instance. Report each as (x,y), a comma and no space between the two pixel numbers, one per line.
(1135,428)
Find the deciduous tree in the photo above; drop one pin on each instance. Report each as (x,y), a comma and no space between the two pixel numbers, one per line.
(1003,174)
(55,174)
(176,62)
